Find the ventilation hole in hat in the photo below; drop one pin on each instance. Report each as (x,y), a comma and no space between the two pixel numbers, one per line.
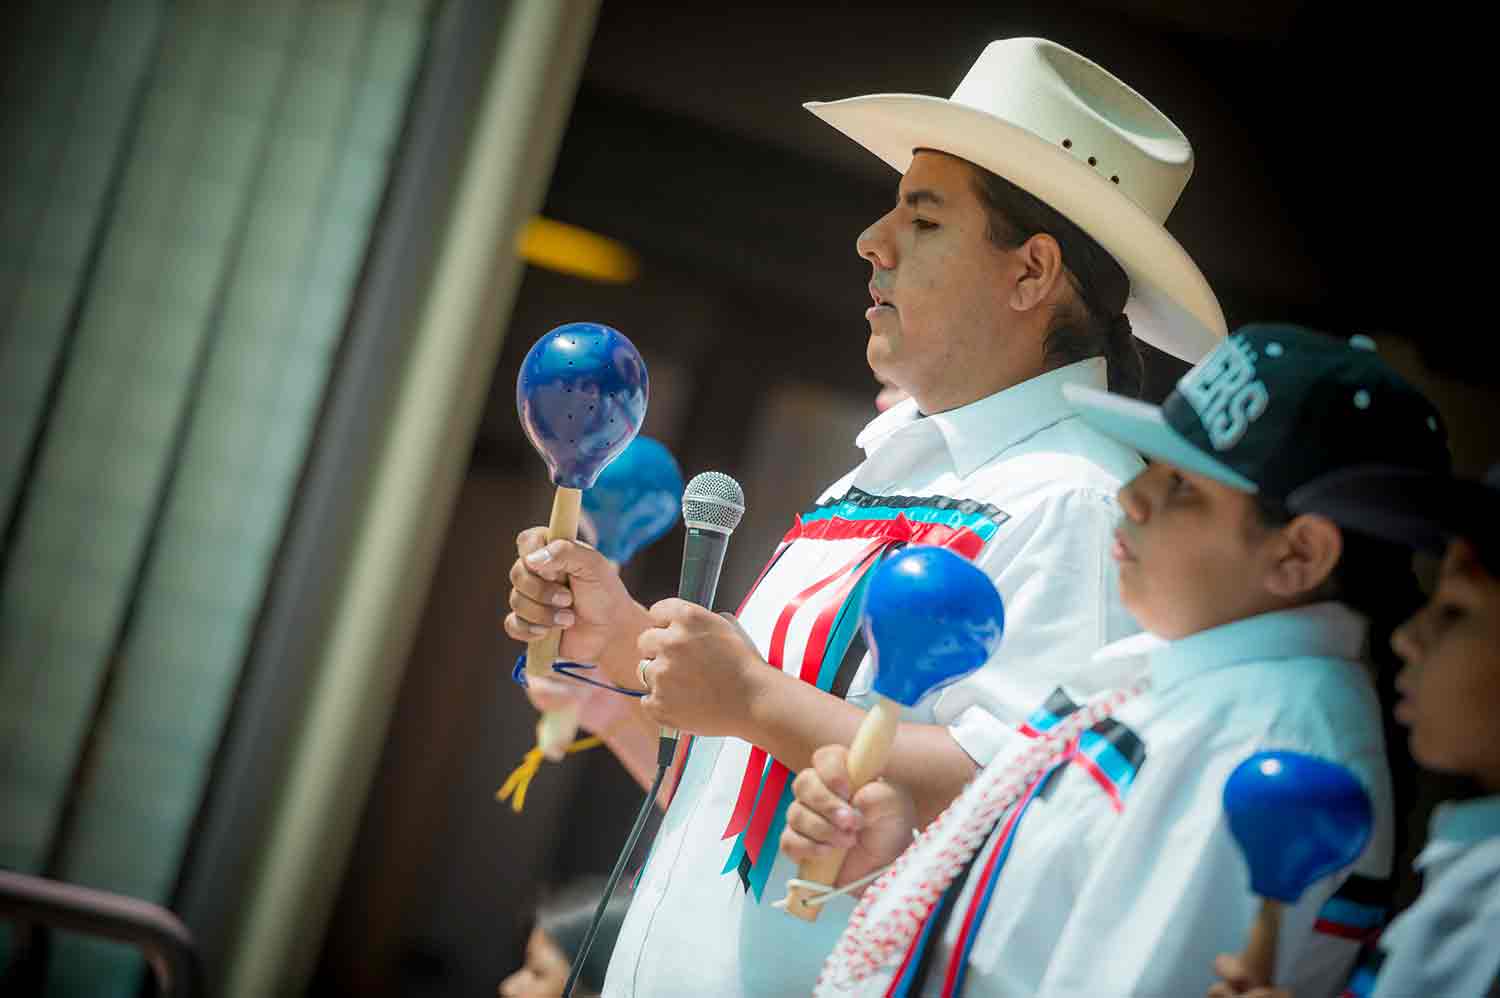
(1067,143)
(1361,399)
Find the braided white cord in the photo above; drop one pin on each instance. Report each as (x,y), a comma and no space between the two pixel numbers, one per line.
(923,872)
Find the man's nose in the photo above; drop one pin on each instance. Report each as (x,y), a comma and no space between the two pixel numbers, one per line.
(874,244)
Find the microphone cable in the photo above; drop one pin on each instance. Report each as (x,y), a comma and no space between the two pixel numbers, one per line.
(664,753)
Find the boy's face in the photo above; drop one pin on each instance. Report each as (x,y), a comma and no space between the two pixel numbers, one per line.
(1450,686)
(1192,552)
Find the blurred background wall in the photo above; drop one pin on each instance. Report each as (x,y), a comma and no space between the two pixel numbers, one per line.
(261,314)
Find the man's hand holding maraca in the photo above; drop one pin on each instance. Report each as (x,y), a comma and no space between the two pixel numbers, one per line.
(573,587)
(874,825)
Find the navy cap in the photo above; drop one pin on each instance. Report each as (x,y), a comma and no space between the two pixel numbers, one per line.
(1276,406)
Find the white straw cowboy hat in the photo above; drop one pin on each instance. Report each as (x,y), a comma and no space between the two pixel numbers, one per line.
(1068,132)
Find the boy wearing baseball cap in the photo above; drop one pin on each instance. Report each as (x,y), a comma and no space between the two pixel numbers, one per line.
(1096,860)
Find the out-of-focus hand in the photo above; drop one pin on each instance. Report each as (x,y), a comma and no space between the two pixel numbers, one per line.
(875,825)
(600,711)
(888,396)
(1234,981)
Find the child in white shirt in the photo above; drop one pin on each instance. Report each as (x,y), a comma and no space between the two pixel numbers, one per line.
(1448,942)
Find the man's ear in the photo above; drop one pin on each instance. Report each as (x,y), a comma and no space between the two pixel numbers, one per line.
(1308,550)
(1041,271)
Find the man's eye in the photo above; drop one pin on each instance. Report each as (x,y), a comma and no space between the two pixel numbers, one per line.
(1178,483)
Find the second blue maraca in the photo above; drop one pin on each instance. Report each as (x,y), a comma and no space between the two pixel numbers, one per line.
(1297,819)
(635,500)
(930,618)
(581,396)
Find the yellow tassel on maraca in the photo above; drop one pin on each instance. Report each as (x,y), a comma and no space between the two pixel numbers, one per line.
(520,778)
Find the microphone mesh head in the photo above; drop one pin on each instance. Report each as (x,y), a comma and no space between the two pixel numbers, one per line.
(713,501)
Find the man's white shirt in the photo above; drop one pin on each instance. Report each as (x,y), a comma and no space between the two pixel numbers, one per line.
(1096,901)
(1042,486)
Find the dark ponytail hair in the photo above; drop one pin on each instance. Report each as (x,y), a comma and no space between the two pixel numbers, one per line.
(1375,578)
(1127,368)
(1099,326)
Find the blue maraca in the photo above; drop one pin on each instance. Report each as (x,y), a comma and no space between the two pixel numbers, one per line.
(635,500)
(930,618)
(581,395)
(1297,819)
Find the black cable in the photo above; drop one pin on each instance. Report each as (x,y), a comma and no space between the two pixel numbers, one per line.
(665,751)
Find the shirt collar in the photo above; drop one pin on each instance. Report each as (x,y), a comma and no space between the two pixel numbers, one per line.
(976,432)
(1456,825)
(1320,630)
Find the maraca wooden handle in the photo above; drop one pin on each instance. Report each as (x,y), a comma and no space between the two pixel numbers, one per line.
(1259,956)
(872,746)
(557,728)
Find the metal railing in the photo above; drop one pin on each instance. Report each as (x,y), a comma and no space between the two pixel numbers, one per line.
(160,935)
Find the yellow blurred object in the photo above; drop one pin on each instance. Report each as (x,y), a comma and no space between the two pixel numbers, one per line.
(520,778)
(572,250)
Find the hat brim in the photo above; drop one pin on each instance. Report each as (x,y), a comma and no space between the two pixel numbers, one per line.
(1171,305)
(1421,509)
(1142,426)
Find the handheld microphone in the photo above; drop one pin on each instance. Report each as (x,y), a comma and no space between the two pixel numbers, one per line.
(712,506)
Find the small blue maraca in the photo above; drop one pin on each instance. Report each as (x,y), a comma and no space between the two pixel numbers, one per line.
(1297,819)
(930,618)
(581,395)
(635,500)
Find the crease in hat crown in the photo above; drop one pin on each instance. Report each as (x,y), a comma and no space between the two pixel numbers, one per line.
(1078,138)
(1064,98)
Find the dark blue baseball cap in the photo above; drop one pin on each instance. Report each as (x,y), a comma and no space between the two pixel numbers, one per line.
(1275,407)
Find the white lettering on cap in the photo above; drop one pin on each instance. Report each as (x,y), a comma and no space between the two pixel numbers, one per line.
(1225,393)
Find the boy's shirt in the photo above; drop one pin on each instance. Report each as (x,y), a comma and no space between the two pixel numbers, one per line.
(1448,941)
(1092,899)
(1015,482)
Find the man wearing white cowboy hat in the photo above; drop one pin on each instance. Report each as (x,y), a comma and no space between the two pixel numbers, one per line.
(1028,223)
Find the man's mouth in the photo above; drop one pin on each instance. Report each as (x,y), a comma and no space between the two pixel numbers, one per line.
(879,299)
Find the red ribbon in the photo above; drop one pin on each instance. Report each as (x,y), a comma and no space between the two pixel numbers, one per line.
(756,764)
